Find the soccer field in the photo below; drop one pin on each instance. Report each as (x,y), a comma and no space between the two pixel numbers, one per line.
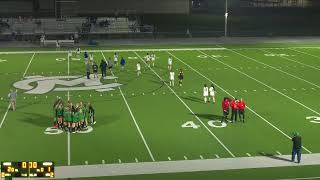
(146,120)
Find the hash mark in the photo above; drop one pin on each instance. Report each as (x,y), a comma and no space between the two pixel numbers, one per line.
(185,157)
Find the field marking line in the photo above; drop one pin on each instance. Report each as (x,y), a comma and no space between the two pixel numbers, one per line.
(5,115)
(204,125)
(254,112)
(307,178)
(248,154)
(25,72)
(278,152)
(289,59)
(69,136)
(150,49)
(272,67)
(302,52)
(260,82)
(134,119)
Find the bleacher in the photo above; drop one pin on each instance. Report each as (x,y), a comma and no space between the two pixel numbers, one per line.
(71,26)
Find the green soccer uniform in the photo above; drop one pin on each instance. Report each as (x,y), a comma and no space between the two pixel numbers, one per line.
(68,116)
(60,112)
(76,117)
(81,114)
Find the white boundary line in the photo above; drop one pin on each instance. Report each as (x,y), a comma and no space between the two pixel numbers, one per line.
(263,84)
(25,72)
(265,120)
(220,142)
(307,178)
(289,59)
(5,115)
(134,119)
(69,136)
(155,49)
(302,52)
(289,74)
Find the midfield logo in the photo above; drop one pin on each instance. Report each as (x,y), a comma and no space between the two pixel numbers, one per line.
(68,83)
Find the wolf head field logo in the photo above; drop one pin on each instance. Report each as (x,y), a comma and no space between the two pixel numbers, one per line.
(42,85)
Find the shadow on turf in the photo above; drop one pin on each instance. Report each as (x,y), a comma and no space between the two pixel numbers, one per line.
(36,119)
(208,116)
(194,99)
(272,156)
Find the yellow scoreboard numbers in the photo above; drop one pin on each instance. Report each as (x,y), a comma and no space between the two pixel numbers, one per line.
(27,169)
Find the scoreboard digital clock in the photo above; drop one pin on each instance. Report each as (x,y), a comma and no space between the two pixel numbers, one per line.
(28,169)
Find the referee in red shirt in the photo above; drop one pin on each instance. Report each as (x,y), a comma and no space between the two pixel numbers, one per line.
(234,110)
(225,109)
(241,106)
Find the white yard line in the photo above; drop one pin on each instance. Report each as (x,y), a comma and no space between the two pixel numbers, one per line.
(305,53)
(25,72)
(5,115)
(134,120)
(263,84)
(204,125)
(304,178)
(265,120)
(69,136)
(289,74)
(289,59)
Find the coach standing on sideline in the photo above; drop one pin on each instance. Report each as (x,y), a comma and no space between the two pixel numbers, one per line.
(296,147)
(88,68)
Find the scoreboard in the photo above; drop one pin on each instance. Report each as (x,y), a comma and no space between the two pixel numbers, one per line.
(28,169)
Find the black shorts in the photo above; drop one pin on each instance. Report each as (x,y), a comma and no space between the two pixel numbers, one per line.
(181,77)
(241,111)
(226,112)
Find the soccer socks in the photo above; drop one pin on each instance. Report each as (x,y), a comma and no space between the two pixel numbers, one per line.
(205,100)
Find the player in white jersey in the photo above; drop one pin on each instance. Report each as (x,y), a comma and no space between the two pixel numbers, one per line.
(148,59)
(171,78)
(170,63)
(91,57)
(78,52)
(138,69)
(153,58)
(69,54)
(212,93)
(205,93)
(115,59)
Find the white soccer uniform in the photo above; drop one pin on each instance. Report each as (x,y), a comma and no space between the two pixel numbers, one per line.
(148,58)
(78,51)
(170,61)
(211,91)
(205,91)
(91,57)
(115,58)
(138,67)
(153,57)
(171,76)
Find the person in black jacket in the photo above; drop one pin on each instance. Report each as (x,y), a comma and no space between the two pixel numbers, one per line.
(91,113)
(103,67)
(296,147)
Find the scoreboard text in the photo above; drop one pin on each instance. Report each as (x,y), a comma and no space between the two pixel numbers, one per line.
(27,169)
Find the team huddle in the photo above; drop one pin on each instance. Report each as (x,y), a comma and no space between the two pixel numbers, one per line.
(237,108)
(73,118)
